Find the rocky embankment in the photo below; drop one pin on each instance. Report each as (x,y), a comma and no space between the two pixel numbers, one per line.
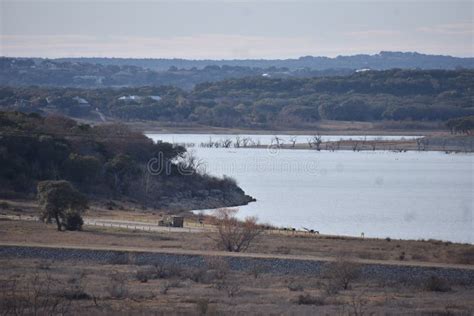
(206,199)
(386,272)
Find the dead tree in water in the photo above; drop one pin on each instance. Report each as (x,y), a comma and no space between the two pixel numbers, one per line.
(278,141)
(293,141)
(316,142)
(355,146)
(246,141)
(226,143)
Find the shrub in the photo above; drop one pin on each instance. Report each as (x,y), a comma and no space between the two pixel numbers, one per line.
(202,306)
(117,287)
(39,294)
(4,205)
(72,221)
(307,299)
(232,234)
(219,265)
(196,275)
(76,295)
(122,258)
(466,257)
(257,269)
(437,284)
(166,286)
(295,287)
(340,274)
(143,275)
(231,288)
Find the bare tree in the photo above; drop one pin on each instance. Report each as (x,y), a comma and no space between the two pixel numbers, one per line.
(232,234)
(293,141)
(237,142)
(190,164)
(39,294)
(355,146)
(315,141)
(246,141)
(226,143)
(340,274)
(277,141)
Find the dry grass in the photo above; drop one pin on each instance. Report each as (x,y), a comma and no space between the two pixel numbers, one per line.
(278,244)
(97,289)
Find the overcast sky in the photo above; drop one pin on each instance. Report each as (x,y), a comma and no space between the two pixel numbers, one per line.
(233,29)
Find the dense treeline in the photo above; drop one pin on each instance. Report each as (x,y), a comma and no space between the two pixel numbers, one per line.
(106,161)
(381,61)
(435,95)
(64,73)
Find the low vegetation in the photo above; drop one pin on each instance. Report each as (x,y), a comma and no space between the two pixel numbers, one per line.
(57,288)
(232,234)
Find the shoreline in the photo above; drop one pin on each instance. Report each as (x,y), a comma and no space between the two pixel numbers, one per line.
(131,221)
(323,128)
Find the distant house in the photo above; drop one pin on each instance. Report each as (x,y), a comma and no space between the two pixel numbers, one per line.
(130,98)
(82,102)
(138,98)
(22,103)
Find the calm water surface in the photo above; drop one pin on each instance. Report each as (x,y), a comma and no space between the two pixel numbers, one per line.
(409,195)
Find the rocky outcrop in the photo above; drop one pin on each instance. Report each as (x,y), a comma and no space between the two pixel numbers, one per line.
(205,199)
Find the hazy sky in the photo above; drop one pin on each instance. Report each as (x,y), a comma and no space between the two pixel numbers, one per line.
(233,29)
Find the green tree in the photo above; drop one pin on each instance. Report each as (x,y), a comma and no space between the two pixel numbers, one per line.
(59,200)
(121,170)
(82,169)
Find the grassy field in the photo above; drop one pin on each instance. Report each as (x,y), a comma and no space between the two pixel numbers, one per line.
(123,287)
(277,242)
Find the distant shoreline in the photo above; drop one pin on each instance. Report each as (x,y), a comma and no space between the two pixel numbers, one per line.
(321,128)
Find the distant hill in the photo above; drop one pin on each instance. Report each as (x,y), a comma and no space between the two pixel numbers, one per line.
(185,74)
(383,60)
(266,103)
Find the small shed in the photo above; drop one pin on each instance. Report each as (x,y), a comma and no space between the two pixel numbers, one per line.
(177,221)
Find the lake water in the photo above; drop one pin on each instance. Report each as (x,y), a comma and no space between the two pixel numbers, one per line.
(410,195)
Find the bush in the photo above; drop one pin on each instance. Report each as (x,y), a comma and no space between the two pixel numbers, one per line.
(4,205)
(466,257)
(117,287)
(257,269)
(219,265)
(235,235)
(143,275)
(121,258)
(437,284)
(73,221)
(341,274)
(166,286)
(202,306)
(307,299)
(295,286)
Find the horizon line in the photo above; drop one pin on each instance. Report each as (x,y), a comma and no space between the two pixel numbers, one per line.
(241,59)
